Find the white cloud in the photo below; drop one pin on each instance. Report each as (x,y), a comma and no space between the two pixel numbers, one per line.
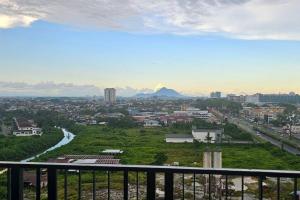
(60,89)
(7,21)
(245,19)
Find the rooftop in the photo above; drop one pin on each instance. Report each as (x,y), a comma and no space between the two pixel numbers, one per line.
(179,136)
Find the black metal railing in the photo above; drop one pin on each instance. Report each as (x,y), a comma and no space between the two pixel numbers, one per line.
(216,182)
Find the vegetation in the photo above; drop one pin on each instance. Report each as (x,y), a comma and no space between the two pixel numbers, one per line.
(160,158)
(15,148)
(198,123)
(124,122)
(142,147)
(236,133)
(222,105)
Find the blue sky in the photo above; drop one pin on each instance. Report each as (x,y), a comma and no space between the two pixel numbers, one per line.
(50,51)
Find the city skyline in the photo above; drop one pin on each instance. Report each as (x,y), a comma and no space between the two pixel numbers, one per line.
(51,89)
(229,46)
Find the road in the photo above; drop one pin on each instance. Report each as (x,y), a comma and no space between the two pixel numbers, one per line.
(249,128)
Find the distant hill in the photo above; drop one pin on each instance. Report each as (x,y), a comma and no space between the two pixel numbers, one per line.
(161,93)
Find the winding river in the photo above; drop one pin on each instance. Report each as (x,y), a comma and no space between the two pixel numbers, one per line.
(68,137)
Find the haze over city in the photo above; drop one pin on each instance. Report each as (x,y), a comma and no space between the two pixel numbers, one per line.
(68,49)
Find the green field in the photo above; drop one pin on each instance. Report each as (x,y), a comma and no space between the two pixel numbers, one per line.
(140,146)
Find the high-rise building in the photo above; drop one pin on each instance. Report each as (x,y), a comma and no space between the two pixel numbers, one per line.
(110,95)
(216,95)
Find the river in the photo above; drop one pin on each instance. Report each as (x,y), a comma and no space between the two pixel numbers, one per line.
(68,137)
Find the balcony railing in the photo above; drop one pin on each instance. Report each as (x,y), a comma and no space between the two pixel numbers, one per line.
(215,182)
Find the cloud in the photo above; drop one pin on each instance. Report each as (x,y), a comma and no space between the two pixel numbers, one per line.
(60,89)
(13,21)
(244,19)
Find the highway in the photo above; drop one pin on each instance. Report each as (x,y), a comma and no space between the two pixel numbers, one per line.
(249,128)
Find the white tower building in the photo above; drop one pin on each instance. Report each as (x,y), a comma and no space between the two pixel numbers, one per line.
(110,95)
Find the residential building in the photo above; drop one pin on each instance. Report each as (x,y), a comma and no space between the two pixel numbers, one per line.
(193,112)
(25,127)
(151,123)
(267,113)
(110,95)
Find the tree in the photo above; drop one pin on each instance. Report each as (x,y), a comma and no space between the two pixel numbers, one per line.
(160,158)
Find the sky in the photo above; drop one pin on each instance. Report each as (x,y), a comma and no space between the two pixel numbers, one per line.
(77,48)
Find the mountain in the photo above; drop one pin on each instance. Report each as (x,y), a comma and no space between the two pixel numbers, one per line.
(161,93)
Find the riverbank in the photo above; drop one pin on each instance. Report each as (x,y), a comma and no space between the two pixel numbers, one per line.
(15,148)
(68,137)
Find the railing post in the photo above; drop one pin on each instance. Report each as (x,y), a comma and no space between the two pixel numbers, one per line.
(38,184)
(8,184)
(16,183)
(169,184)
(125,185)
(52,184)
(79,185)
(278,188)
(150,185)
(295,189)
(260,182)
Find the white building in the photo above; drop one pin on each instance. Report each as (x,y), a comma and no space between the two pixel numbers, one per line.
(193,112)
(110,95)
(179,138)
(151,123)
(206,135)
(26,128)
(253,99)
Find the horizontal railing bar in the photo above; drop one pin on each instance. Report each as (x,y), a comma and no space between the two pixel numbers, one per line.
(151,168)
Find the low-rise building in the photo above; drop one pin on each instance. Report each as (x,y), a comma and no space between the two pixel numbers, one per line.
(193,112)
(151,123)
(86,159)
(179,138)
(25,127)
(263,113)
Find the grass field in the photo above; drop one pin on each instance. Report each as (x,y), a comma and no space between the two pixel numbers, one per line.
(141,145)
